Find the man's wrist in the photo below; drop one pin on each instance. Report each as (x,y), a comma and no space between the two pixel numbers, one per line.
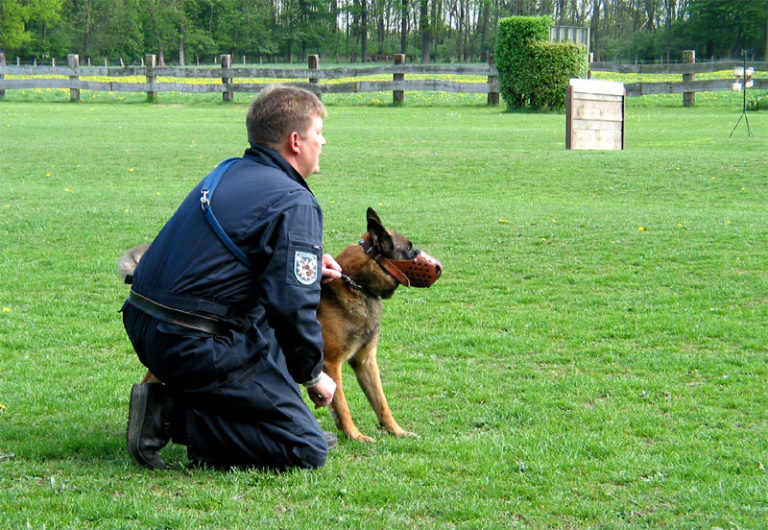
(313,382)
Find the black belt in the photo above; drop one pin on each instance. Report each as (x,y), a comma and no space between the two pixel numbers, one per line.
(177,316)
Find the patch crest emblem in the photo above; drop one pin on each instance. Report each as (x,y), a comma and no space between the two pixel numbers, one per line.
(305,267)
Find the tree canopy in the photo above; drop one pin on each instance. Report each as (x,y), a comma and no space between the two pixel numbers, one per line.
(185,31)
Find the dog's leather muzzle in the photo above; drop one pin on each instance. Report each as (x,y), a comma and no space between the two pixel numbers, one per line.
(421,271)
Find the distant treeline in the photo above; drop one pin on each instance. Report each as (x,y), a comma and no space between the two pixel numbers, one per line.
(187,31)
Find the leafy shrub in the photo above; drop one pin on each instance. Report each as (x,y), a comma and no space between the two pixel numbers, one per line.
(533,71)
(551,66)
(513,37)
(759,103)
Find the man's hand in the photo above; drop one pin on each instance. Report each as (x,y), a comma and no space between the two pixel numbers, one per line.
(331,269)
(322,393)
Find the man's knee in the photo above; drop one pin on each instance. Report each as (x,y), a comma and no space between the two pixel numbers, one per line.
(312,456)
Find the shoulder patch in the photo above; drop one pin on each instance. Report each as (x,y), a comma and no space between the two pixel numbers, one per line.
(305,267)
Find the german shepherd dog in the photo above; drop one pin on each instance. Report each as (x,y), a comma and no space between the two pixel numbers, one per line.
(349,313)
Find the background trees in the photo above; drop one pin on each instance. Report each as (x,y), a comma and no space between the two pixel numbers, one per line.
(184,31)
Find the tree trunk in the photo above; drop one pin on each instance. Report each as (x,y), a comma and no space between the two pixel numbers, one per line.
(182,58)
(363,30)
(595,25)
(424,28)
(404,27)
(485,19)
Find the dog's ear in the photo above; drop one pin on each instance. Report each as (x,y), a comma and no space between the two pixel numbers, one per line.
(371,214)
(380,238)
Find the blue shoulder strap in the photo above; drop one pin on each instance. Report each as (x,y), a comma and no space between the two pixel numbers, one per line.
(206,194)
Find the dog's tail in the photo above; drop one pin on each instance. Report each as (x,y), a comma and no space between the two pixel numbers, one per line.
(128,261)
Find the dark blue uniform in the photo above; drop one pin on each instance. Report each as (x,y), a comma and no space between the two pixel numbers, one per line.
(238,389)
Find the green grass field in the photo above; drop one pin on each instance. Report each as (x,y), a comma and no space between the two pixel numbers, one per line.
(594,356)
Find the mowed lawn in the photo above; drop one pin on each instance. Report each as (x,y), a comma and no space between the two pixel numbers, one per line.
(594,355)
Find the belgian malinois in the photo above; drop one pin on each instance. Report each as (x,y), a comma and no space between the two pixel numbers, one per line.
(349,313)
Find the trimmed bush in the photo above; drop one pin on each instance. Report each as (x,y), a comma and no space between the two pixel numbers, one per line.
(533,71)
(550,68)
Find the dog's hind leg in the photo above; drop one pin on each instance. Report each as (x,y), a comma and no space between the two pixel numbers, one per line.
(367,372)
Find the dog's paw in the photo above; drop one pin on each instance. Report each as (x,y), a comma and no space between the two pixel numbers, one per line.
(406,434)
(362,438)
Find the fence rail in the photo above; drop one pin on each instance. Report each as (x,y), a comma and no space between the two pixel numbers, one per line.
(688,70)
(310,78)
(334,80)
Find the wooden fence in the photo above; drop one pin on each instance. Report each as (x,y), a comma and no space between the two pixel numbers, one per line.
(320,81)
(336,80)
(688,69)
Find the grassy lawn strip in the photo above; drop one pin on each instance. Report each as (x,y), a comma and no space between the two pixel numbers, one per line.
(595,354)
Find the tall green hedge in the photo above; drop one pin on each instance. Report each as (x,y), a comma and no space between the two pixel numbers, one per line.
(533,71)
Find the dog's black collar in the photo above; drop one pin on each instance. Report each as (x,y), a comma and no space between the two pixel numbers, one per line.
(368,248)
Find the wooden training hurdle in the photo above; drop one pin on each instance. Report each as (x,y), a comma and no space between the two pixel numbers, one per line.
(595,113)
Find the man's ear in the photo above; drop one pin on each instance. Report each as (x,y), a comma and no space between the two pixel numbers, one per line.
(380,238)
(293,143)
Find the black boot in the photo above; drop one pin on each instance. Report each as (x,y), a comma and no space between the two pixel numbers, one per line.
(149,427)
(331,439)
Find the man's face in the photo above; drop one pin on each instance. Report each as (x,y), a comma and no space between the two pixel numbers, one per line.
(312,142)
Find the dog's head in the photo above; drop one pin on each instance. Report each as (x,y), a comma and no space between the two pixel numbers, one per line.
(395,253)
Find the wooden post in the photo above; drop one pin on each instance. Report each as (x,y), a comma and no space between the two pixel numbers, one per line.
(150,62)
(73,61)
(226,63)
(2,76)
(493,83)
(398,96)
(689,98)
(313,63)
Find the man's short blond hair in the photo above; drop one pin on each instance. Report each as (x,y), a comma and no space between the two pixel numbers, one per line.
(280,110)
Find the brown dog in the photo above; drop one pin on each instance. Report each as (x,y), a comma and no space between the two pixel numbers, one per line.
(350,311)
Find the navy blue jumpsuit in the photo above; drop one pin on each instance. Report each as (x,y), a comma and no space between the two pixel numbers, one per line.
(238,391)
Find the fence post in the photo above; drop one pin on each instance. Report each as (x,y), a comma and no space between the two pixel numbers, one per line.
(2,76)
(73,61)
(226,62)
(689,98)
(150,61)
(313,63)
(493,82)
(398,96)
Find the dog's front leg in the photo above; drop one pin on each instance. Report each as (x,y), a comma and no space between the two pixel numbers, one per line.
(367,372)
(340,409)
